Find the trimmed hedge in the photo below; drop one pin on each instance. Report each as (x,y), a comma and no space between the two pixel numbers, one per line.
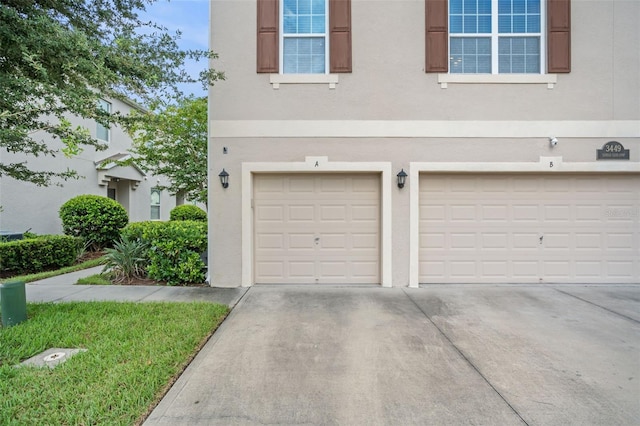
(95,218)
(39,254)
(174,249)
(188,212)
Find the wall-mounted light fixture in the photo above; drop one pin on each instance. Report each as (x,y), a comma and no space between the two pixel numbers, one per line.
(224,178)
(402,177)
(553,141)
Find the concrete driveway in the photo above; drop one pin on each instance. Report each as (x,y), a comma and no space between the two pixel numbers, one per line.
(477,354)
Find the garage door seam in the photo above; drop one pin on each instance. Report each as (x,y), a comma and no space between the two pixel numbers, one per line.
(467,360)
(599,306)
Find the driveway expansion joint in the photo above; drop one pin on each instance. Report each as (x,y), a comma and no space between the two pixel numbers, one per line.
(598,306)
(466,359)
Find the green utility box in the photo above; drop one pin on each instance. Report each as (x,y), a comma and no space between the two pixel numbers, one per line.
(13,303)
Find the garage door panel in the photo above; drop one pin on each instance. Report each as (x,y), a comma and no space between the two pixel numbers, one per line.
(333,269)
(301,213)
(463,241)
(330,228)
(556,269)
(525,241)
(621,269)
(333,213)
(298,185)
(300,241)
(557,213)
(270,213)
(368,241)
(364,271)
(433,213)
(492,213)
(366,187)
(525,213)
(271,241)
(463,270)
(365,212)
(527,228)
(620,241)
(270,269)
(462,213)
(494,269)
(301,270)
(588,241)
(494,240)
(589,213)
(588,269)
(558,241)
(525,269)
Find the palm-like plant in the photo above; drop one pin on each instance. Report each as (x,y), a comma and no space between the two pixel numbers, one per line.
(127,260)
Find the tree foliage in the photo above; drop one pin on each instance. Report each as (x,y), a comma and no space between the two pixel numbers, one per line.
(58,58)
(172,141)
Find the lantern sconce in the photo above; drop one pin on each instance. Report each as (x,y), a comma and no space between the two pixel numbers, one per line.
(402,177)
(224,178)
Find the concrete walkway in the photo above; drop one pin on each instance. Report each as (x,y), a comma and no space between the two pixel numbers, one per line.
(440,355)
(63,289)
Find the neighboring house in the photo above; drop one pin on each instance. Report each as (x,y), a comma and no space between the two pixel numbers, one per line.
(26,206)
(517,123)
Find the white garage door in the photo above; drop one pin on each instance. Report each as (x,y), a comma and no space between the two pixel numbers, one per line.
(317,229)
(529,228)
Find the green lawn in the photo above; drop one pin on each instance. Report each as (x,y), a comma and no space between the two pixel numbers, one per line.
(134,350)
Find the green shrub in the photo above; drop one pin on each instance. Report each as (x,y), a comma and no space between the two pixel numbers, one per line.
(126,260)
(38,254)
(95,218)
(174,249)
(188,212)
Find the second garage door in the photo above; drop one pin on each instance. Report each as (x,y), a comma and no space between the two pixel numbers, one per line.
(317,229)
(529,228)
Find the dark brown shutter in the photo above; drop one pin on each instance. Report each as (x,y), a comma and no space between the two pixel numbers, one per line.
(339,36)
(437,35)
(268,36)
(558,36)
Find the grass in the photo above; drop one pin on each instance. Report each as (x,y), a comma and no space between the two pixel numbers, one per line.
(97,279)
(48,274)
(134,351)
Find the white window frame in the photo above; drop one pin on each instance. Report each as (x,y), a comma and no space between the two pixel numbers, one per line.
(106,106)
(282,36)
(495,36)
(152,204)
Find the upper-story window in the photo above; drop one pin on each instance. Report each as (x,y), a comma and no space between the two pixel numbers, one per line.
(496,36)
(493,37)
(102,132)
(304,37)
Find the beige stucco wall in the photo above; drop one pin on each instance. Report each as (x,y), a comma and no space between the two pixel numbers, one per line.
(597,102)
(388,80)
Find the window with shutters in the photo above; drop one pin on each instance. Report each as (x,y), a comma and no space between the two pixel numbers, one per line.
(498,41)
(304,41)
(496,36)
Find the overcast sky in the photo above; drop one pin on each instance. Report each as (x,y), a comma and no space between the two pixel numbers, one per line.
(191,17)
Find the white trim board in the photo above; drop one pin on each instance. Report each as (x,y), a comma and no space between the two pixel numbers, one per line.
(546,165)
(423,129)
(316,165)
